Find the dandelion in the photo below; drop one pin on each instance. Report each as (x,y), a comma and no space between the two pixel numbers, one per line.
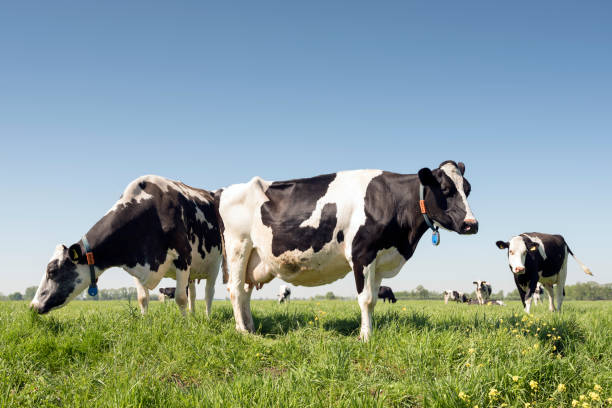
(316,317)
(575,403)
(468,365)
(586,405)
(515,378)
(463,396)
(582,397)
(501,320)
(527,404)
(597,388)
(310,322)
(554,348)
(471,350)
(561,387)
(404,309)
(594,396)
(493,394)
(534,385)
(524,319)
(514,330)
(609,401)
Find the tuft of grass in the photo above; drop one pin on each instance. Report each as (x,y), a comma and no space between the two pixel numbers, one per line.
(306,353)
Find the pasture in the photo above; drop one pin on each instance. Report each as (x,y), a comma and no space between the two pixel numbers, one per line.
(422,354)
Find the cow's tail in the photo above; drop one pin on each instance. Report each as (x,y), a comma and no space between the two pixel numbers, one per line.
(583,266)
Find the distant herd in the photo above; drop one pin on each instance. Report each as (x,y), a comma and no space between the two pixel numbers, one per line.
(307,232)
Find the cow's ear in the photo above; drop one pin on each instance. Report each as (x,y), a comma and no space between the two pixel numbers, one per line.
(426,177)
(475,283)
(74,253)
(502,244)
(533,246)
(461,167)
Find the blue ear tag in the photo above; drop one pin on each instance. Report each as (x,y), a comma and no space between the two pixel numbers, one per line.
(435,238)
(92,291)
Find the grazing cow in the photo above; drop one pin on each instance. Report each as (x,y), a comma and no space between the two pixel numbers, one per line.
(483,291)
(169,293)
(537,257)
(458,297)
(385,292)
(494,302)
(158,228)
(284,294)
(314,231)
(537,294)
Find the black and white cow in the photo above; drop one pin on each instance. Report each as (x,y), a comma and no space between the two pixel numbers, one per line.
(458,297)
(386,293)
(537,294)
(284,294)
(314,231)
(158,228)
(540,257)
(168,293)
(483,291)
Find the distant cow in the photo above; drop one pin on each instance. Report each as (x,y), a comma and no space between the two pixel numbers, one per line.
(284,294)
(168,293)
(459,297)
(540,257)
(483,291)
(385,293)
(495,302)
(537,294)
(158,228)
(314,231)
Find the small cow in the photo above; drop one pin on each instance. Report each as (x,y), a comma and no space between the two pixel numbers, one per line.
(314,231)
(495,302)
(483,291)
(537,294)
(458,297)
(385,293)
(541,257)
(168,293)
(284,294)
(158,228)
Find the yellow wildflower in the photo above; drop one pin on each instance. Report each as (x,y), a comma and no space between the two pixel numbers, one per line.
(561,387)
(594,396)
(582,397)
(310,322)
(597,388)
(524,319)
(404,309)
(493,393)
(471,350)
(515,378)
(463,396)
(574,403)
(527,404)
(586,405)
(534,385)
(501,320)
(468,365)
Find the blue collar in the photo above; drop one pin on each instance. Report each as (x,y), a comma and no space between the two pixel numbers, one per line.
(435,237)
(93,283)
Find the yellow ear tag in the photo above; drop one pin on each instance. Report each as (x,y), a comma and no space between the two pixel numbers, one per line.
(533,248)
(75,255)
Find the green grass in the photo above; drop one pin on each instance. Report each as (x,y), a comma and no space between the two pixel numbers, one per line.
(422,354)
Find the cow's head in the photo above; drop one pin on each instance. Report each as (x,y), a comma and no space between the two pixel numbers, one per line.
(66,276)
(519,248)
(446,197)
(480,285)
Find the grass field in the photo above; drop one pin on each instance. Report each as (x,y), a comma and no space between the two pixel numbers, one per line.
(422,354)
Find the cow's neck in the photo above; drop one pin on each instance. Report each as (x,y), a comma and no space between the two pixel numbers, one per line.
(409,216)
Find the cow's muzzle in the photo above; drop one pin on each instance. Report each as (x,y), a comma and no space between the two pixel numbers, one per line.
(469,226)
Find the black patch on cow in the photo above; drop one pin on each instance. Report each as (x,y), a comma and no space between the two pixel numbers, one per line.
(143,232)
(340,236)
(291,203)
(393,219)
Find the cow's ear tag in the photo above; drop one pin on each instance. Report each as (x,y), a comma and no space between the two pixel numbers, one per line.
(533,248)
(435,238)
(74,255)
(92,291)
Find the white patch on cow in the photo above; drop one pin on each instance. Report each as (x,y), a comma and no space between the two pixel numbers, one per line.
(453,173)
(538,241)
(389,261)
(150,278)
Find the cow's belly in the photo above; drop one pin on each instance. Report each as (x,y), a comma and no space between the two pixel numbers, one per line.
(389,262)
(200,268)
(549,280)
(304,268)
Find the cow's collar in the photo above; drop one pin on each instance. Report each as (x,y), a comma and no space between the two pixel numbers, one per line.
(435,236)
(93,283)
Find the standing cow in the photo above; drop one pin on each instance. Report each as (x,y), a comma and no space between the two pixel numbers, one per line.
(284,294)
(158,228)
(537,257)
(537,294)
(386,293)
(483,291)
(314,231)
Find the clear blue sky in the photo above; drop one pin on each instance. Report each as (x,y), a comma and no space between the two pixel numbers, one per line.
(94,94)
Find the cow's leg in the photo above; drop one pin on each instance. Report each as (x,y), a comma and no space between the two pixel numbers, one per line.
(551,296)
(529,295)
(209,294)
(238,255)
(191,291)
(560,289)
(143,296)
(367,299)
(180,294)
